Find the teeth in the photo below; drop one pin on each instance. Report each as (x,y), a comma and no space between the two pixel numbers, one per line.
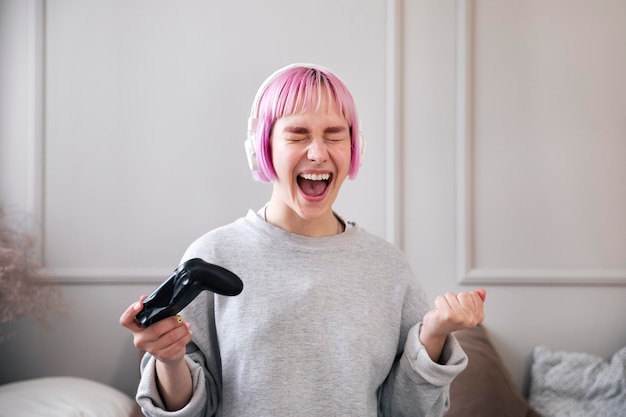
(316,177)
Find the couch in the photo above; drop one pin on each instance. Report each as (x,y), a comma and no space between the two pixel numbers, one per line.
(562,384)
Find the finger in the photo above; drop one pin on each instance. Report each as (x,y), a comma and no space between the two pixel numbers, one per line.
(167,324)
(456,301)
(482,293)
(127,319)
(468,304)
(161,331)
(180,336)
(175,350)
(470,308)
(468,301)
(477,310)
(170,343)
(442,302)
(477,305)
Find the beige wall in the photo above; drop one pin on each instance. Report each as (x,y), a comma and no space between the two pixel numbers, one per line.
(128,143)
(536,201)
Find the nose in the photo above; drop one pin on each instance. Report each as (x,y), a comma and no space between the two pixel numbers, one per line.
(317,151)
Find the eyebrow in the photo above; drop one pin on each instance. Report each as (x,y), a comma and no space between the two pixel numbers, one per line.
(303,130)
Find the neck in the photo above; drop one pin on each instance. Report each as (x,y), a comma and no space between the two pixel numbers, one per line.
(327,225)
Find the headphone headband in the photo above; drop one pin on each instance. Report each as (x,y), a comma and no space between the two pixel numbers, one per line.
(252,119)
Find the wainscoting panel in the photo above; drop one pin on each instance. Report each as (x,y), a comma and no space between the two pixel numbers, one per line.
(145,118)
(541,141)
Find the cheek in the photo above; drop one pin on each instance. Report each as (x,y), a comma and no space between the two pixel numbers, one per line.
(283,160)
(343,158)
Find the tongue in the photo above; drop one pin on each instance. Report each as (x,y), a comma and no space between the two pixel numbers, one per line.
(312,188)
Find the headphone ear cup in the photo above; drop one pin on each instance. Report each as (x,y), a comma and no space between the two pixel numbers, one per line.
(362,148)
(251,153)
(250,144)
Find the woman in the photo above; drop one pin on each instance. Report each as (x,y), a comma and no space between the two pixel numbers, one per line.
(331,321)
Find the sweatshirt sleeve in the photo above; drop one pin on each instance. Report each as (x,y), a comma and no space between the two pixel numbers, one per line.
(150,401)
(203,366)
(416,385)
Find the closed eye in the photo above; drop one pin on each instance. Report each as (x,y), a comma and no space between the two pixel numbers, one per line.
(296,139)
(337,138)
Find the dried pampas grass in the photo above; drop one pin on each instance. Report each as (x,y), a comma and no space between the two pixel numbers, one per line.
(24,291)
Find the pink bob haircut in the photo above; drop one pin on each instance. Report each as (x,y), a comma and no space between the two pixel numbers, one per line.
(298,88)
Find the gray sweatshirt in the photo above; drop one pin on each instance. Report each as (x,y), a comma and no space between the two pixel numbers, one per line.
(324,327)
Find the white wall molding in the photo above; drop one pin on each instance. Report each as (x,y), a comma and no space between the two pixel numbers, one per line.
(36,116)
(21,141)
(463,137)
(99,276)
(393,124)
(467,271)
(545,276)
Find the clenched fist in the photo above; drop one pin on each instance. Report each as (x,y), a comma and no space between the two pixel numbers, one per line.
(452,312)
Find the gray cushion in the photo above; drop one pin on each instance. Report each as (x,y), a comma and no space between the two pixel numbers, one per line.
(571,384)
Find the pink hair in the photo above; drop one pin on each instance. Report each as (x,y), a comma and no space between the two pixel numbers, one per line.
(300,88)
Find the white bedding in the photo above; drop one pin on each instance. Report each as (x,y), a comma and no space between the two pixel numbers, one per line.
(63,397)
(576,384)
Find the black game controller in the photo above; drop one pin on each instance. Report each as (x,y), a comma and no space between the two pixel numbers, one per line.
(185,283)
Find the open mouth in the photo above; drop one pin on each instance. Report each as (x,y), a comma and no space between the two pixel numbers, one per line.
(314,185)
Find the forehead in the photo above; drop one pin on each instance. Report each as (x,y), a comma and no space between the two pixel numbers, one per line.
(324,111)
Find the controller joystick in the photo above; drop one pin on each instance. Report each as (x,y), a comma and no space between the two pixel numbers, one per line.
(185,283)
